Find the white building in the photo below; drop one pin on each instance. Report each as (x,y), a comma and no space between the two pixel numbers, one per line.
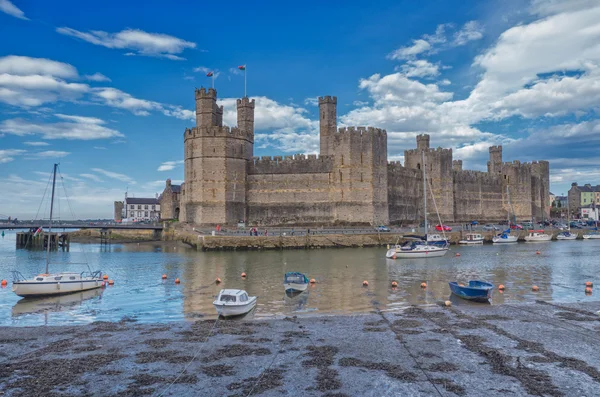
(589,213)
(141,209)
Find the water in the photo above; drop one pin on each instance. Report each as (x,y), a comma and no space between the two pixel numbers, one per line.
(560,271)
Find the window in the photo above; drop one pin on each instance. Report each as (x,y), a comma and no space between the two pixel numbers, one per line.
(132,207)
(39,279)
(72,278)
(58,278)
(153,207)
(227,298)
(139,207)
(146,214)
(146,207)
(244,298)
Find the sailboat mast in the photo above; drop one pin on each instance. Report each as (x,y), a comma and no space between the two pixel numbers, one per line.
(50,223)
(424,191)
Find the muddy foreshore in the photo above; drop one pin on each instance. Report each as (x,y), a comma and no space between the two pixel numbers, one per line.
(529,349)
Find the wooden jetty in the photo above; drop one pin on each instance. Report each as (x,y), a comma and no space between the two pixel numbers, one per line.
(57,240)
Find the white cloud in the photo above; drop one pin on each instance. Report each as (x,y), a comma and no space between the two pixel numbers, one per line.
(97,77)
(25,66)
(8,155)
(398,89)
(418,47)
(114,175)
(312,101)
(169,165)
(140,42)
(99,148)
(9,8)
(93,177)
(122,100)
(49,154)
(550,7)
(66,177)
(470,31)
(77,128)
(420,68)
(36,143)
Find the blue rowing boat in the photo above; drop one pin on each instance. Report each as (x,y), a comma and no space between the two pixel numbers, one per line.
(475,291)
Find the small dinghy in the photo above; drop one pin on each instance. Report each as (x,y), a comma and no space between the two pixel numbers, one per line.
(475,291)
(295,282)
(234,302)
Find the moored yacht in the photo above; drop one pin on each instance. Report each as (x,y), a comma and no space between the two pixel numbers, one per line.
(472,238)
(537,235)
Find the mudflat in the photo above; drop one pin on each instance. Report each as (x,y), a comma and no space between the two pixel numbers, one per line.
(536,349)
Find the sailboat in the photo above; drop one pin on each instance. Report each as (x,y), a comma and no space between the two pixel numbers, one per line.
(47,284)
(567,235)
(422,247)
(505,237)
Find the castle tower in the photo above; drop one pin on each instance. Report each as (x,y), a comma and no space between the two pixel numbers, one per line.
(327,123)
(215,163)
(422,142)
(207,112)
(495,163)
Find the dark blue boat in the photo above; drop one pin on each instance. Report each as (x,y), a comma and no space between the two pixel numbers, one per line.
(475,291)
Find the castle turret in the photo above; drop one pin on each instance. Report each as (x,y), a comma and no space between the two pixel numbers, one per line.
(207,112)
(457,165)
(245,118)
(327,122)
(495,163)
(422,142)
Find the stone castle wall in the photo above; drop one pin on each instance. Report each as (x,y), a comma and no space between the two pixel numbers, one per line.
(350,182)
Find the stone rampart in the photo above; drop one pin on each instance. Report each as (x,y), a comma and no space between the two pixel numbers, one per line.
(478,196)
(405,194)
(297,164)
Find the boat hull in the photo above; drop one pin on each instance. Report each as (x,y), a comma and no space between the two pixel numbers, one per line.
(533,239)
(470,242)
(432,252)
(507,240)
(295,287)
(563,237)
(230,310)
(476,291)
(48,288)
(591,236)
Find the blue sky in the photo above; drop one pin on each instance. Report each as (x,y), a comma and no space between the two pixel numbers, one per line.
(107,88)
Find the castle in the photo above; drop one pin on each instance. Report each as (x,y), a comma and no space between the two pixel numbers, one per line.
(349,182)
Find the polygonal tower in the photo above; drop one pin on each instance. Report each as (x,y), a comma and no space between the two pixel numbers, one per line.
(327,123)
(216,161)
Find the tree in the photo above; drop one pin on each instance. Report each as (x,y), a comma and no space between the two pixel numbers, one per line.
(559,205)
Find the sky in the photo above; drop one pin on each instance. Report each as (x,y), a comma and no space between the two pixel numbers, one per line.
(107,88)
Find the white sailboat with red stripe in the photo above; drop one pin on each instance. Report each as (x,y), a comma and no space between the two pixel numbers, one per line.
(47,284)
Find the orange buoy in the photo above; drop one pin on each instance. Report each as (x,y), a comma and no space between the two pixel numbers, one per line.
(535,288)
(365,283)
(457,254)
(394,257)
(501,287)
(312,281)
(218,280)
(105,277)
(423,285)
(587,283)
(111,282)
(4,282)
(588,291)
(537,252)
(177,281)
(164,276)
(243,274)
(394,284)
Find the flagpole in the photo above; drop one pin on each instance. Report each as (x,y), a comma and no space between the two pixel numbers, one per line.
(213,80)
(245,73)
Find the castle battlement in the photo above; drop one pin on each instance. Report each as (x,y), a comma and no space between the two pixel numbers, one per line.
(361,131)
(216,131)
(203,93)
(245,101)
(327,99)
(495,149)
(295,164)
(470,176)
(438,150)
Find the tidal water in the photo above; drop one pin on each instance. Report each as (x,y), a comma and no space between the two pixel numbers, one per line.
(560,271)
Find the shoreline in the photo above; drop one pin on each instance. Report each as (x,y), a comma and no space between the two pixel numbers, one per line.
(467,350)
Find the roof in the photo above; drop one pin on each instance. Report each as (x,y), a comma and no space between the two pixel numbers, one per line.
(141,200)
(231,292)
(176,188)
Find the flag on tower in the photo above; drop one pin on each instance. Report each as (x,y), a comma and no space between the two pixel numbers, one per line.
(243,67)
(38,231)
(209,74)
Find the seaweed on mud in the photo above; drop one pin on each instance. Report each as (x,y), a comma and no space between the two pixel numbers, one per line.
(295,334)
(251,339)
(286,341)
(406,324)
(540,359)
(450,386)
(566,308)
(428,355)
(269,379)
(86,348)
(408,331)
(169,356)
(8,341)
(577,316)
(49,374)
(327,379)
(237,351)
(320,356)
(157,343)
(111,372)
(375,323)
(443,367)
(105,326)
(374,329)
(498,317)
(391,370)
(236,331)
(335,395)
(148,380)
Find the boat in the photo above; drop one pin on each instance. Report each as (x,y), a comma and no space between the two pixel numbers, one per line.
(472,238)
(505,237)
(234,302)
(295,282)
(421,247)
(436,239)
(478,291)
(537,235)
(58,303)
(47,284)
(591,236)
(567,235)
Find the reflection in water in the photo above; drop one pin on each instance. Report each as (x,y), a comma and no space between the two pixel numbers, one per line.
(54,303)
(139,292)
